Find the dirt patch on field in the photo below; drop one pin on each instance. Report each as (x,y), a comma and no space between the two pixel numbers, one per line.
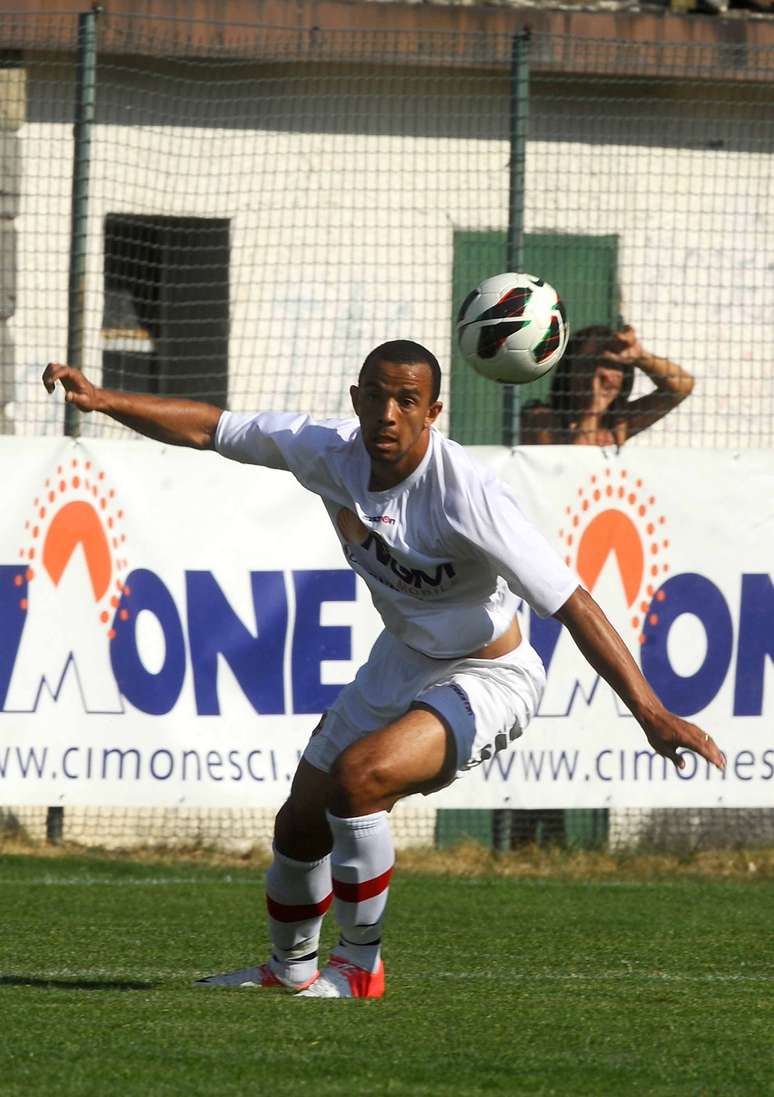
(471,859)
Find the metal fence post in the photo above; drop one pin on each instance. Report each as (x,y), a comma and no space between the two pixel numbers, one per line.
(85,97)
(514,249)
(502,818)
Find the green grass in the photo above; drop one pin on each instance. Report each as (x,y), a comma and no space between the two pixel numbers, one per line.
(495,986)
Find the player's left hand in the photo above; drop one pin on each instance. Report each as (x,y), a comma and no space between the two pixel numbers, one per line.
(668,733)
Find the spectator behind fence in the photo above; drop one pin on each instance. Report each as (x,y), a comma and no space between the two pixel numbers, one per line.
(589,400)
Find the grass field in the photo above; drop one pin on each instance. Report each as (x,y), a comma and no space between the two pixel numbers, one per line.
(496,985)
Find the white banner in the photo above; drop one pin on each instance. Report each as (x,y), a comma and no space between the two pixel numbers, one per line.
(172,624)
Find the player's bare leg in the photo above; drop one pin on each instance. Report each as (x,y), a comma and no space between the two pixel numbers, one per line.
(301,829)
(415,753)
(345,812)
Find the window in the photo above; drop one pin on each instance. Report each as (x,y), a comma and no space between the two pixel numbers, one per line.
(166,314)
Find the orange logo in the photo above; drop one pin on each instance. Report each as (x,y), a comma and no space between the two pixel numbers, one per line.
(77,509)
(617,516)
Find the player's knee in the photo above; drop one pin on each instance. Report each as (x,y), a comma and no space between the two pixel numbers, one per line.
(363,781)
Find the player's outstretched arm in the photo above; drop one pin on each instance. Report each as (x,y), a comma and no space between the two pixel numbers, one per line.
(606,652)
(164,418)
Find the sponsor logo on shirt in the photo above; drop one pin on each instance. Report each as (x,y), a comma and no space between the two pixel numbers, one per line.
(385,518)
(414,581)
(367,552)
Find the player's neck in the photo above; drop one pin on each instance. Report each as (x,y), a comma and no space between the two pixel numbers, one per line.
(388,474)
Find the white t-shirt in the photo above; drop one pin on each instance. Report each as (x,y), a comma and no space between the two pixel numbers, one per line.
(446,554)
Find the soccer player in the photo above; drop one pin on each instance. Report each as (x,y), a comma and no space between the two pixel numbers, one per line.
(446,554)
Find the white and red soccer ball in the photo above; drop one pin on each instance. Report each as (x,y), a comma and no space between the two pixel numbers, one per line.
(512,328)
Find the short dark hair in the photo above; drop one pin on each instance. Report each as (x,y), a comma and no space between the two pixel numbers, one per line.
(560,396)
(405,352)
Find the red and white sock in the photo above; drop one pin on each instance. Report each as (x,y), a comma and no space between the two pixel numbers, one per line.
(298,893)
(361,864)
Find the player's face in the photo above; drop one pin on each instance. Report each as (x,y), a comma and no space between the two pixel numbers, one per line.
(395,407)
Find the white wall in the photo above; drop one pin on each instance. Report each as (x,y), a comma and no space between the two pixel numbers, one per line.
(344,193)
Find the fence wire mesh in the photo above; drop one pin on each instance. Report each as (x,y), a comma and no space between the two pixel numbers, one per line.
(255,225)
(241,830)
(265,206)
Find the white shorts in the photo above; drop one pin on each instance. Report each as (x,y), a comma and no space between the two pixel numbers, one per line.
(486,703)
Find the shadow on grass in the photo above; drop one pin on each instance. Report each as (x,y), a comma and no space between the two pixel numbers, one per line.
(75,983)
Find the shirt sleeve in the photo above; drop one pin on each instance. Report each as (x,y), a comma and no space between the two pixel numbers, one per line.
(262,438)
(490,520)
(283,440)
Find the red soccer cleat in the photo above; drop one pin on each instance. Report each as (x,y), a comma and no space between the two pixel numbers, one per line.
(341,979)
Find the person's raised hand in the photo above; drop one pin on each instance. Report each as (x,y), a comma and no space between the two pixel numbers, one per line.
(622,349)
(668,734)
(78,390)
(605,387)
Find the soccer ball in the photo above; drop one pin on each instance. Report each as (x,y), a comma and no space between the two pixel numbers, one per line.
(512,328)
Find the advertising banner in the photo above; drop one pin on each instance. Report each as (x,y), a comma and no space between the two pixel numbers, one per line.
(172,625)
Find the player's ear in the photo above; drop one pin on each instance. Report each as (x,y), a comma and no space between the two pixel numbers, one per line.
(433,412)
(353,395)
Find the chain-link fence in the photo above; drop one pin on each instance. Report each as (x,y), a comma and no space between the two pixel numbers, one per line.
(241,217)
(251,227)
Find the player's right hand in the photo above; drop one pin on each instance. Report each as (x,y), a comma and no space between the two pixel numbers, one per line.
(78,390)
